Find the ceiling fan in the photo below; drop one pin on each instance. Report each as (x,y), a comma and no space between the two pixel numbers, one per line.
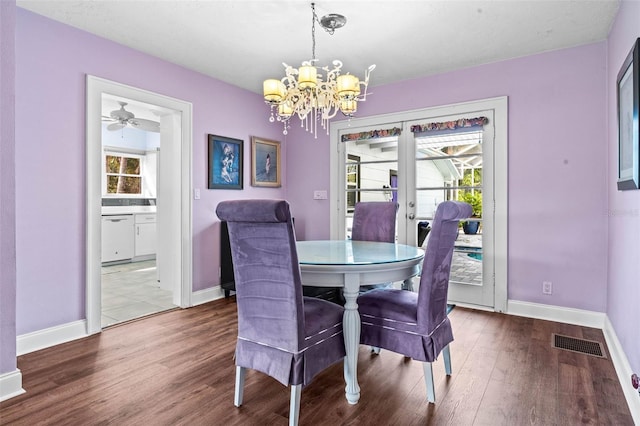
(122,118)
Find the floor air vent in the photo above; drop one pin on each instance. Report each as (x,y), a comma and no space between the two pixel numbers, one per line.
(588,347)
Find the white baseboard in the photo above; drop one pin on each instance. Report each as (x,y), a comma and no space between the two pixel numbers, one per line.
(623,369)
(556,313)
(52,336)
(11,385)
(206,295)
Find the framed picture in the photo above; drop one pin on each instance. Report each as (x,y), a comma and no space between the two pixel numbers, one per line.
(265,162)
(225,162)
(628,126)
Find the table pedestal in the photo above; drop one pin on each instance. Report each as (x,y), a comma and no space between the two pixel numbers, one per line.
(351,331)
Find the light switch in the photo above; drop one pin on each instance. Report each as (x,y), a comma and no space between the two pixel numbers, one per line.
(196,193)
(319,195)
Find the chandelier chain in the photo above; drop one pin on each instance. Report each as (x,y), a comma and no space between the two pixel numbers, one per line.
(314,17)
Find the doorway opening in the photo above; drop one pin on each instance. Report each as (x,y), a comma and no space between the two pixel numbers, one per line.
(138,201)
(131,144)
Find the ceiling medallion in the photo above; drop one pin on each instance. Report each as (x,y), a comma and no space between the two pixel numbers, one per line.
(304,92)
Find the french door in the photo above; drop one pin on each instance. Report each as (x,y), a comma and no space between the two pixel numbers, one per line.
(383,160)
(455,165)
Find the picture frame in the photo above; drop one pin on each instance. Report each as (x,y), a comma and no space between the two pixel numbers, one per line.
(225,169)
(265,163)
(627,86)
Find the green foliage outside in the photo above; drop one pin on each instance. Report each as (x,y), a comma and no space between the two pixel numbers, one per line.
(117,169)
(473,197)
(124,185)
(123,165)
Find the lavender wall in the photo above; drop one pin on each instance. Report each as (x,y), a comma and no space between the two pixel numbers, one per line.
(624,206)
(557,178)
(557,175)
(52,61)
(7,189)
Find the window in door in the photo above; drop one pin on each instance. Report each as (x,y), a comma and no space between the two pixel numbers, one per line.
(449,166)
(393,185)
(353,181)
(368,168)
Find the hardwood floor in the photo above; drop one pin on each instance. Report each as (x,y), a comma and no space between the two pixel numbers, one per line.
(176,368)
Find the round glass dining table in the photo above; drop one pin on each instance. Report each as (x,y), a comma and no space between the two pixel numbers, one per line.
(350,264)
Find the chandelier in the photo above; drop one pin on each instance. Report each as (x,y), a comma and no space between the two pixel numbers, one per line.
(304,92)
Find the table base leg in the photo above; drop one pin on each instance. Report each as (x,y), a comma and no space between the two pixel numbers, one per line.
(408,284)
(351,327)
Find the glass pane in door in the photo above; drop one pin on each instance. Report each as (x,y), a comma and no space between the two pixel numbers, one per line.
(371,173)
(449,167)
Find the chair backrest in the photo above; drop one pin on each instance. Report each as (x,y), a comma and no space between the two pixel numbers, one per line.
(374,221)
(434,281)
(267,273)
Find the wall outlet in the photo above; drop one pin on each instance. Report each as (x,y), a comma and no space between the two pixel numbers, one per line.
(547,287)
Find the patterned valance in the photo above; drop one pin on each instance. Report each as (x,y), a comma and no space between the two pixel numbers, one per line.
(450,125)
(372,134)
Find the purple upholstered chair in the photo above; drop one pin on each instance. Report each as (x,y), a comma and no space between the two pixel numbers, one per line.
(374,221)
(416,324)
(280,333)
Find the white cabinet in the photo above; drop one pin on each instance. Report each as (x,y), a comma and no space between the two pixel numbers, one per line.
(117,237)
(145,234)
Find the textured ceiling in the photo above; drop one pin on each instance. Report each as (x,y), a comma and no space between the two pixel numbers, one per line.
(244,42)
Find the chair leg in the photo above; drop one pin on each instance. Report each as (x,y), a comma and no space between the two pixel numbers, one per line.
(428,380)
(239,394)
(294,406)
(446,354)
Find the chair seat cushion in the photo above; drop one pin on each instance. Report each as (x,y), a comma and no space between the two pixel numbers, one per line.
(389,320)
(321,319)
(391,308)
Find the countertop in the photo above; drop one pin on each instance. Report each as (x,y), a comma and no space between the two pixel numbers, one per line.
(117,210)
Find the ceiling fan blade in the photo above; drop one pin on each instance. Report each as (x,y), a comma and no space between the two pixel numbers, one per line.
(108,119)
(143,124)
(115,126)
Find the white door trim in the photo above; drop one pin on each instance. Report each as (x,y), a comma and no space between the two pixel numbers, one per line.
(500,106)
(95,88)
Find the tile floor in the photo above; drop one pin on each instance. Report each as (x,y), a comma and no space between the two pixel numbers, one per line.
(131,290)
(466,269)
